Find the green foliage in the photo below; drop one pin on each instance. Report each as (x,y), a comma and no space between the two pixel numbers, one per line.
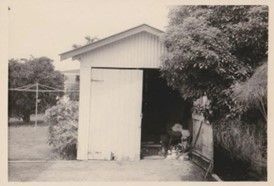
(243,141)
(88,39)
(252,94)
(63,121)
(218,51)
(210,48)
(29,71)
(247,30)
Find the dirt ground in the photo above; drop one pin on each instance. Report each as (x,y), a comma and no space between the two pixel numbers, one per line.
(143,170)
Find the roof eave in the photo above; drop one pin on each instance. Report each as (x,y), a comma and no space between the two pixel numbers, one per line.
(74,54)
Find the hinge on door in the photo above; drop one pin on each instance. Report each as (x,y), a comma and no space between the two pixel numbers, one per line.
(96,80)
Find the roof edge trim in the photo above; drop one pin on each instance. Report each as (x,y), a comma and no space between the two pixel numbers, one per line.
(113,38)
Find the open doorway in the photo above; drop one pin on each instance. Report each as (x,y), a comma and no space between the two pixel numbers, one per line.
(162,107)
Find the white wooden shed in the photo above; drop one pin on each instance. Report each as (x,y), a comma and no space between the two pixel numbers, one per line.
(111,92)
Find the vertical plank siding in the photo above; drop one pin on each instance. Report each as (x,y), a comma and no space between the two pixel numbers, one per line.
(115,114)
(142,50)
(203,145)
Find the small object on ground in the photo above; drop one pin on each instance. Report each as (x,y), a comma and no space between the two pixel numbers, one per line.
(216,177)
(171,154)
(181,157)
(112,156)
(184,157)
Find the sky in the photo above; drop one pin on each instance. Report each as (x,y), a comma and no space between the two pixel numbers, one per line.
(48,28)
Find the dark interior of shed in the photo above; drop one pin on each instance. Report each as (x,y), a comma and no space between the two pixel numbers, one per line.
(162,107)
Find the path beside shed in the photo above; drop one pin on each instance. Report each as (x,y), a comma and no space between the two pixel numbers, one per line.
(144,170)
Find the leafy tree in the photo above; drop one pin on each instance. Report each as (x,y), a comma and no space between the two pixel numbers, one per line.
(91,39)
(88,39)
(210,48)
(74,46)
(29,71)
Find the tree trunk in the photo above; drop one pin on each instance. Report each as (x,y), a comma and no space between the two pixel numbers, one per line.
(26,118)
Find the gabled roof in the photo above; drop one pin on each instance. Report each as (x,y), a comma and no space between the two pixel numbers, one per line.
(111,39)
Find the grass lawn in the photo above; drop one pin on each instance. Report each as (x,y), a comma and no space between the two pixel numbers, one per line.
(26,142)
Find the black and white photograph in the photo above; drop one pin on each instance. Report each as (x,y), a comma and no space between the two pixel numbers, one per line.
(124,90)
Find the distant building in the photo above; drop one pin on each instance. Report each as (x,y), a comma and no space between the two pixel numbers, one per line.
(72,82)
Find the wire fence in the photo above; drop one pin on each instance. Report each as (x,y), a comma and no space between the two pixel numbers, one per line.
(40,88)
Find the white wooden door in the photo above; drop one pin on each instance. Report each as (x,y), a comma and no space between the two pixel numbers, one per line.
(115,120)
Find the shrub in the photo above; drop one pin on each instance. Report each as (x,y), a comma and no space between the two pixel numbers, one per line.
(243,141)
(63,125)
